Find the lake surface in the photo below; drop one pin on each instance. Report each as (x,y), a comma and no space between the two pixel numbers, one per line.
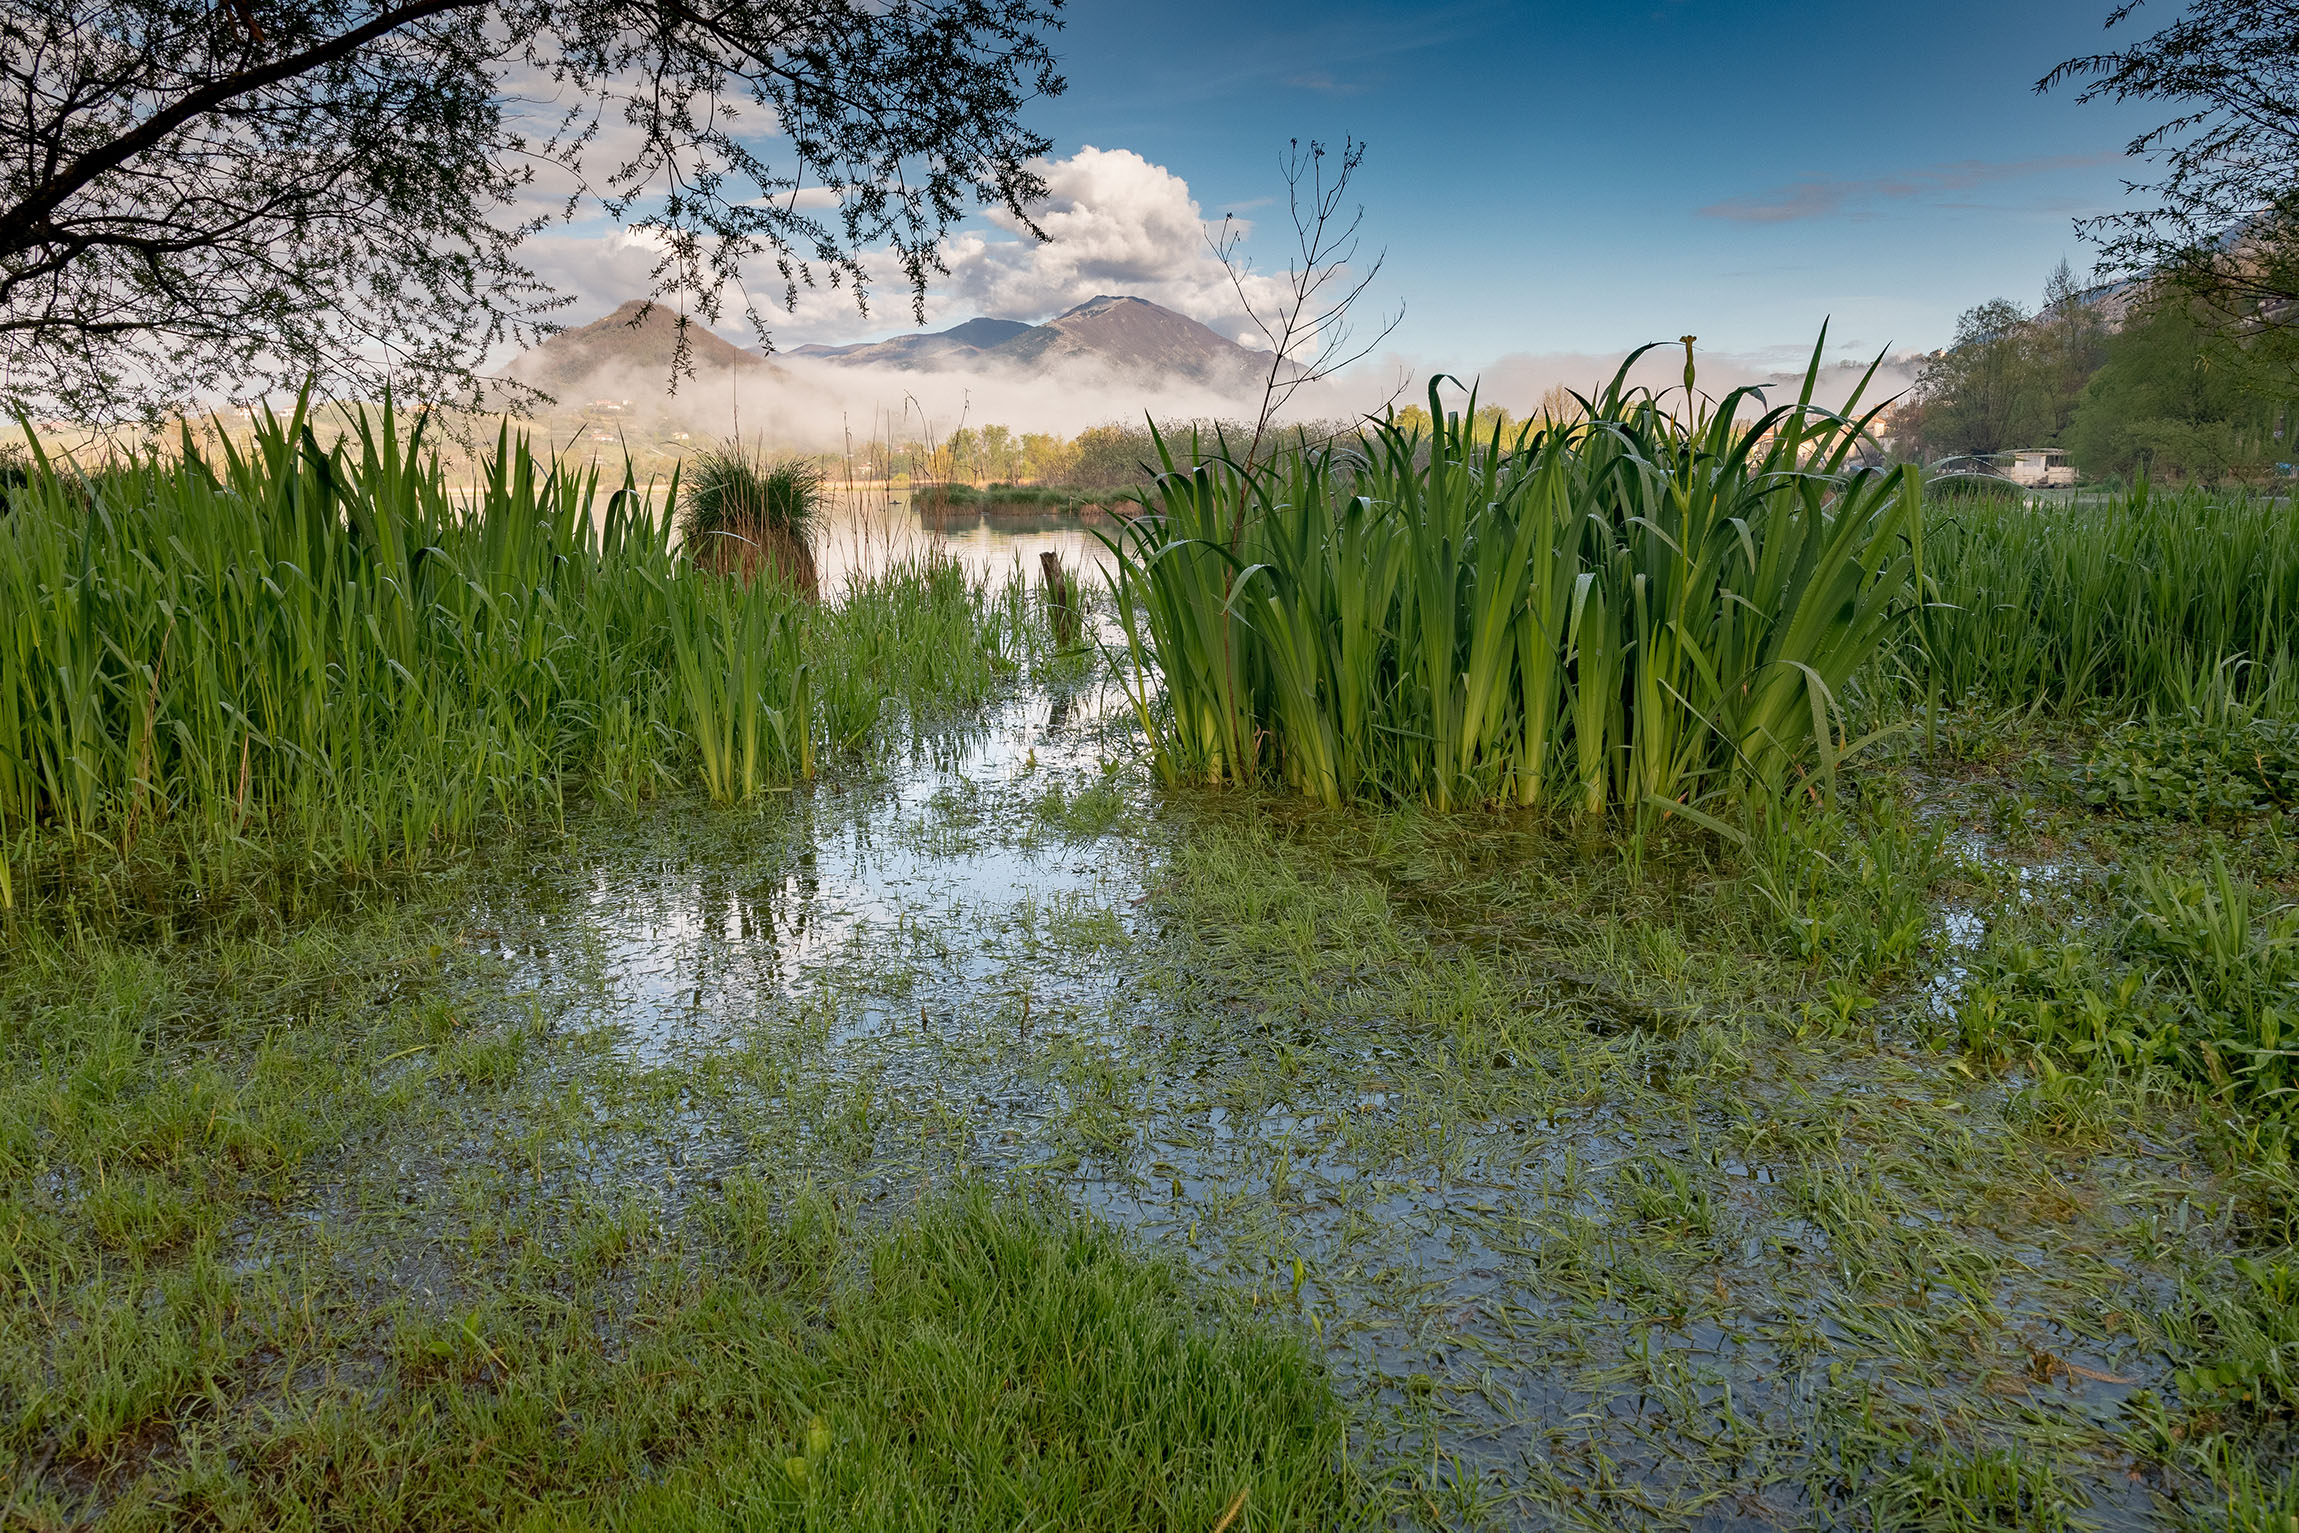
(862,530)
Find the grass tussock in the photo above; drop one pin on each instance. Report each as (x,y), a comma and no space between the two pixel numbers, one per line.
(742,513)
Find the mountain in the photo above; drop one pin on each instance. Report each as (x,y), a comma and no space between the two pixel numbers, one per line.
(624,352)
(925,351)
(1124,335)
(1137,336)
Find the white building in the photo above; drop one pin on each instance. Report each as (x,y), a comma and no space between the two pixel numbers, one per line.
(2039,468)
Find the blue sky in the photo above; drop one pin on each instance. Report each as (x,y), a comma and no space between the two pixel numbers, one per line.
(1577,178)
(1560,177)
(1553,183)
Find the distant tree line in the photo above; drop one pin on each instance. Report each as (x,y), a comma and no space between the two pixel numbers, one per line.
(2184,363)
(2125,378)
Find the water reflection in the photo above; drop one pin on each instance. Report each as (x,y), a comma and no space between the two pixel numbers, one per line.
(729,920)
(945,967)
(862,531)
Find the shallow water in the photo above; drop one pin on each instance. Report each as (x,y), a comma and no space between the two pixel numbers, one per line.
(1719,1275)
(923,975)
(860,530)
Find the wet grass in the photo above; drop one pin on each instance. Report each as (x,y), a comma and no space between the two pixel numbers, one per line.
(1602,1186)
(354,1231)
(983,1135)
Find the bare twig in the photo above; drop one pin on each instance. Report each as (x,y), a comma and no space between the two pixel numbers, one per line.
(1308,325)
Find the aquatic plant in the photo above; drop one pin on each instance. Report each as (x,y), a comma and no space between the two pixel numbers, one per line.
(2196,985)
(1633,609)
(331,651)
(2140,600)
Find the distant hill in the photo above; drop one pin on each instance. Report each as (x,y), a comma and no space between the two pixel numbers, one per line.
(1125,335)
(626,352)
(925,351)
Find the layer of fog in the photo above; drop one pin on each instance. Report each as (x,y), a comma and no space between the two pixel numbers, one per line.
(816,405)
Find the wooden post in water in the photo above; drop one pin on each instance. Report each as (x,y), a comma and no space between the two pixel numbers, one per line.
(1061,598)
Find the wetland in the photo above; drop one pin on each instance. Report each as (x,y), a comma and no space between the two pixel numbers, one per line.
(986,1130)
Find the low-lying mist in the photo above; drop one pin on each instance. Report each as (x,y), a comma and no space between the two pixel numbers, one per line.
(812,405)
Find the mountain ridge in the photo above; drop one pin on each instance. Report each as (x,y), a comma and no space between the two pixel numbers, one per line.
(1120,332)
(637,338)
(1131,338)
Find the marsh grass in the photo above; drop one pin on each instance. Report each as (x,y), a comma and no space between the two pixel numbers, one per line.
(329,660)
(220,1313)
(1598,1206)
(1675,1178)
(2136,601)
(1918,1159)
(1636,610)
(741,512)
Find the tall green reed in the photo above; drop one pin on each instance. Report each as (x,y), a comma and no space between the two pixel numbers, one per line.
(332,652)
(2137,600)
(1638,609)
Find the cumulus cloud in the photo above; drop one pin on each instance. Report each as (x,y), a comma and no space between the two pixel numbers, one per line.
(1114,223)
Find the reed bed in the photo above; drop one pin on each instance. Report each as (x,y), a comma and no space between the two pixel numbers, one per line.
(1634,610)
(332,651)
(2141,601)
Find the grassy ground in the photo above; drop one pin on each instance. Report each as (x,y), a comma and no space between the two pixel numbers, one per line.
(979,1135)
(356,1229)
(1539,1182)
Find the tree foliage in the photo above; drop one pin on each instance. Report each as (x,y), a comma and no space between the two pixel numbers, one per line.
(2123,379)
(2166,399)
(199,196)
(2221,217)
(2010,378)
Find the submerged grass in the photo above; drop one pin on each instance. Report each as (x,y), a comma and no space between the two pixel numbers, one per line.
(289,1244)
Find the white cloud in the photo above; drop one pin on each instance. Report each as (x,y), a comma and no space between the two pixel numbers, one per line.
(1114,223)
